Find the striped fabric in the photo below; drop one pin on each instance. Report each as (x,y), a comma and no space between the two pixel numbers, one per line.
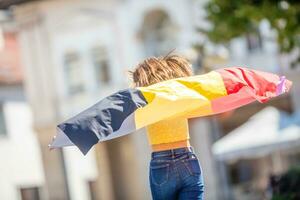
(129,110)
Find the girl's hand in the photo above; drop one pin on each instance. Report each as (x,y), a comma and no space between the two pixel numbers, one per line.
(49,145)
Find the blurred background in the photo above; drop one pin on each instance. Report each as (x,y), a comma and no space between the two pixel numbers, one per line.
(57,57)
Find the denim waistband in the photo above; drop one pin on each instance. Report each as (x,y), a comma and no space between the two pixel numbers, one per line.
(171,152)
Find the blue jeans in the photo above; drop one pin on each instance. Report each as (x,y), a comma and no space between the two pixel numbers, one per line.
(176,174)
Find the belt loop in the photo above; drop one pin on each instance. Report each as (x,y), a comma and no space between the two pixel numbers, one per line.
(172,151)
(191,149)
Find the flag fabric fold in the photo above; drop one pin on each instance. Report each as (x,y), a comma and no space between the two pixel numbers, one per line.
(131,109)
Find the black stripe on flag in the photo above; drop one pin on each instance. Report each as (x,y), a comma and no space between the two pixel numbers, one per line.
(102,119)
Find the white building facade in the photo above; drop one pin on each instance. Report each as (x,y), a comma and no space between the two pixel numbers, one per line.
(21,163)
(74,53)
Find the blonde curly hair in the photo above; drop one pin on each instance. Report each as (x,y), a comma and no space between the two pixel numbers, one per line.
(156,69)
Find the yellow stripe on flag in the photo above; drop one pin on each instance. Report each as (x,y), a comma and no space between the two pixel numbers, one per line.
(182,97)
(210,85)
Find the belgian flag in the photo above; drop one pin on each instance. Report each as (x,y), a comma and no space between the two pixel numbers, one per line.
(131,109)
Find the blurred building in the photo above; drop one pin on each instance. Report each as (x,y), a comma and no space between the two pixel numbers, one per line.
(248,175)
(21,170)
(74,52)
(267,145)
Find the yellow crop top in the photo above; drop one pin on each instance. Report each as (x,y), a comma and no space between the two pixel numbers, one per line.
(168,131)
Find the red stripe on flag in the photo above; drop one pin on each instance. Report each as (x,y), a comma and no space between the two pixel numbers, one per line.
(261,84)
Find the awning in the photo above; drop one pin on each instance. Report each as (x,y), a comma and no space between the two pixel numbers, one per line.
(264,133)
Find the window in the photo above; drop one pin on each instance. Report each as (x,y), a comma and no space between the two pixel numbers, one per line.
(3,130)
(158,33)
(241,172)
(93,189)
(30,193)
(254,41)
(101,65)
(74,73)
(2,40)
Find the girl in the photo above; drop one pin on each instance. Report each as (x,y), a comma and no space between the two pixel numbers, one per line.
(175,172)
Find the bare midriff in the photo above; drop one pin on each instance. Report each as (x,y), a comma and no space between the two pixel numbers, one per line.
(172,145)
(169,134)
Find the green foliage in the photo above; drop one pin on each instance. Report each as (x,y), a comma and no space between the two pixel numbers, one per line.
(288,187)
(234,18)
